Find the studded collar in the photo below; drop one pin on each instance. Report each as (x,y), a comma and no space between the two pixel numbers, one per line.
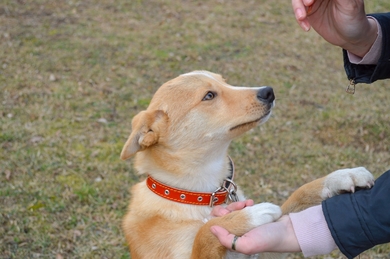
(225,193)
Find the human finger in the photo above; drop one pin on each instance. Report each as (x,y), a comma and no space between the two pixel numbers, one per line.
(299,9)
(242,244)
(239,205)
(224,237)
(302,9)
(219,211)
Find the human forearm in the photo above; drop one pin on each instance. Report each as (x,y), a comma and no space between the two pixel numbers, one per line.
(360,220)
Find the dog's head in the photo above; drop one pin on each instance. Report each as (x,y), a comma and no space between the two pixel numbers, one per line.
(197,112)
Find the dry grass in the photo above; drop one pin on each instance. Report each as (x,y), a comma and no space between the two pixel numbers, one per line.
(73,73)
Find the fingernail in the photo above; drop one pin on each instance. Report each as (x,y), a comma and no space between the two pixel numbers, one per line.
(305,26)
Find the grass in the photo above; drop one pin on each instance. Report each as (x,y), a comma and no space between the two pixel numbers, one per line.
(73,73)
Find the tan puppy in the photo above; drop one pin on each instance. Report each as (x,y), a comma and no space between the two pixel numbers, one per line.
(181,142)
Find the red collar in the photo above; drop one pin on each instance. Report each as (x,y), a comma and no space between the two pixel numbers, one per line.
(221,195)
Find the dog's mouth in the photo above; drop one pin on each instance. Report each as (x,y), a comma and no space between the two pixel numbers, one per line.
(249,123)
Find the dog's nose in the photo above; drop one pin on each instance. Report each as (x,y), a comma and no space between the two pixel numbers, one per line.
(266,94)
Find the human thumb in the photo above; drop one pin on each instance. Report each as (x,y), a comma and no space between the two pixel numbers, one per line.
(223,235)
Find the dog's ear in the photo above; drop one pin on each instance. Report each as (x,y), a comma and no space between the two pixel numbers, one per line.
(147,127)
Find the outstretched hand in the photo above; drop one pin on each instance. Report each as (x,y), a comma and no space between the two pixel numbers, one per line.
(340,22)
(277,236)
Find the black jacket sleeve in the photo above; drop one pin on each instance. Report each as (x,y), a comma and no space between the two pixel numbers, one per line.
(360,220)
(370,73)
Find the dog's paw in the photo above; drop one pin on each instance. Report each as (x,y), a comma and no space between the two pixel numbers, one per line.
(345,180)
(263,213)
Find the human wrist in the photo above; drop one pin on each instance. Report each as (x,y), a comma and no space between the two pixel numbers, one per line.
(289,241)
(373,55)
(362,46)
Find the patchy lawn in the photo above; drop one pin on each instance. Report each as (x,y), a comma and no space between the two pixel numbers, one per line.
(73,73)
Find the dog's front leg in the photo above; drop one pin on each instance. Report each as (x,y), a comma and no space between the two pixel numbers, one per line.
(313,193)
(207,246)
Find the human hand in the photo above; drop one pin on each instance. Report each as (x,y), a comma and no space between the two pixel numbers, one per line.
(219,211)
(340,22)
(278,236)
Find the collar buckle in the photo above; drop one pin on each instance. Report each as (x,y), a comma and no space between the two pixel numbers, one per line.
(214,199)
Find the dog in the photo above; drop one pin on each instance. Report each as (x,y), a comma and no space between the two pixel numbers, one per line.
(181,142)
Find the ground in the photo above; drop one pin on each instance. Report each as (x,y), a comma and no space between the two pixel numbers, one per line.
(73,73)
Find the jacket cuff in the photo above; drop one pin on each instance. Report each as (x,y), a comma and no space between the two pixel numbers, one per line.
(370,73)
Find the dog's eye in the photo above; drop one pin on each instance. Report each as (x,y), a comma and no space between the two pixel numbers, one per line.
(209,96)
